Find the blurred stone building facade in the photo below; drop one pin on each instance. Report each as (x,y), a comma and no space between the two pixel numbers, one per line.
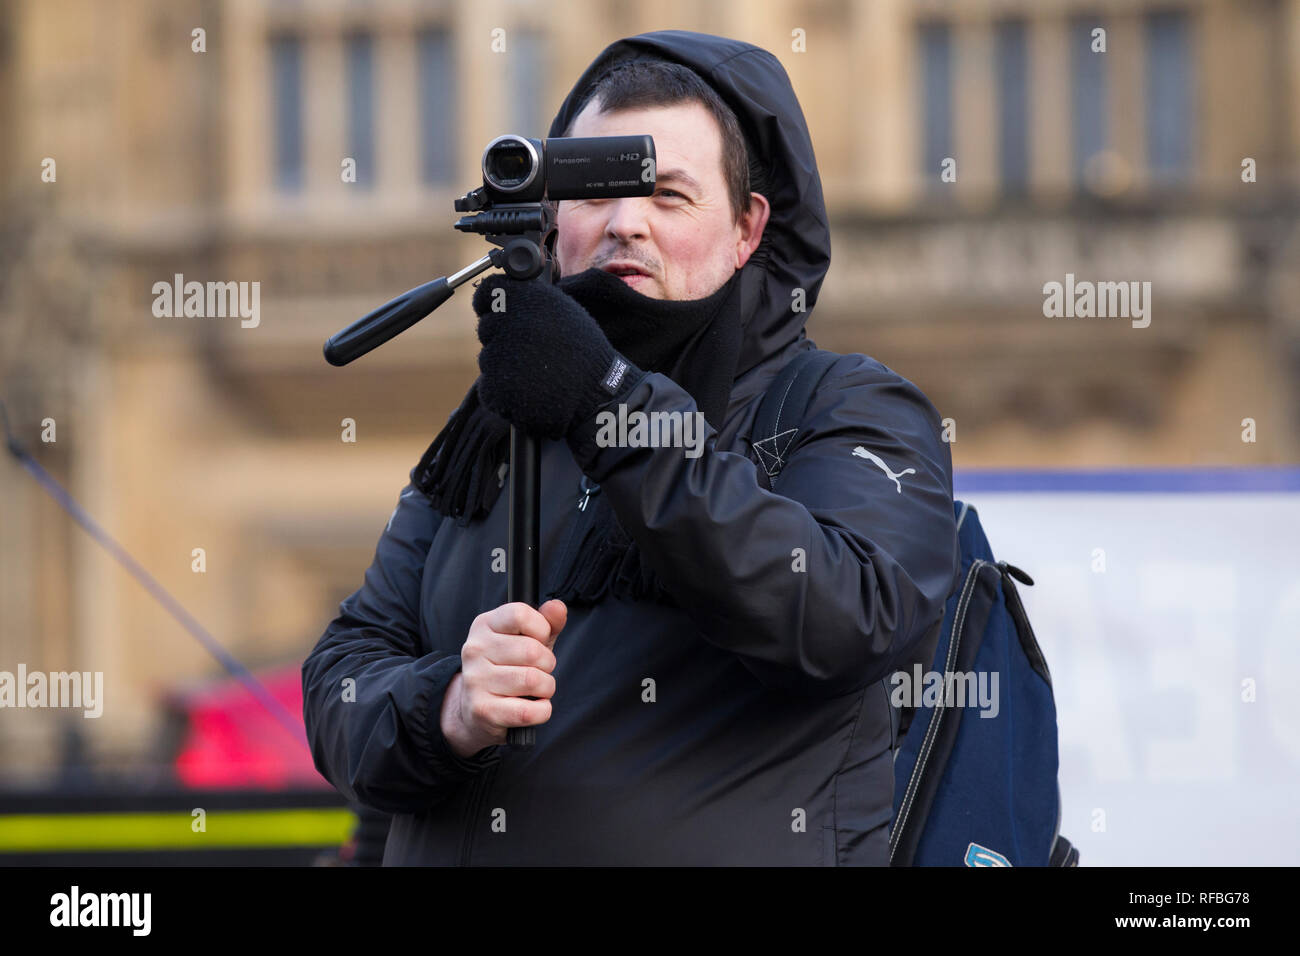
(227,163)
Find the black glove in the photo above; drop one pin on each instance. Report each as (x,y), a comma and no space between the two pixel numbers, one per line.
(543,356)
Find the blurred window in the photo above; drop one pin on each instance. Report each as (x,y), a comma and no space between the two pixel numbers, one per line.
(935,49)
(437,106)
(1012,69)
(286,97)
(1169,95)
(361,98)
(1087,94)
(526,51)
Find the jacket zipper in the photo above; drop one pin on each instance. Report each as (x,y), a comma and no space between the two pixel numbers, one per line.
(588,488)
(577,528)
(478,791)
(913,783)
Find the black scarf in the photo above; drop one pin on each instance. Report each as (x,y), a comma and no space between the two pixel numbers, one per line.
(694,342)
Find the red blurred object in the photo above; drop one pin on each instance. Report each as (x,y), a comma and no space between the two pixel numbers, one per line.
(230,740)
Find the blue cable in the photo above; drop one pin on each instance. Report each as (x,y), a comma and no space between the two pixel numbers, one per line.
(224,657)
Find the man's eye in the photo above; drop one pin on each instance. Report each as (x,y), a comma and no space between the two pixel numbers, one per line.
(671,192)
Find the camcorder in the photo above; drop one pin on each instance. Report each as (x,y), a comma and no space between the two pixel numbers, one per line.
(519,170)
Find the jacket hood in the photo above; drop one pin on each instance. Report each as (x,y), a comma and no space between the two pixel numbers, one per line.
(795,251)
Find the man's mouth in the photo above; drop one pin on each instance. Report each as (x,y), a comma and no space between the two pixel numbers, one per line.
(630,274)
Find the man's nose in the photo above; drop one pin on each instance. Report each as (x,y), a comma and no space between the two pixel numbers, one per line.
(627,218)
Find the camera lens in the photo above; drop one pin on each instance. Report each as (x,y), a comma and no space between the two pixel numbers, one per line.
(509,163)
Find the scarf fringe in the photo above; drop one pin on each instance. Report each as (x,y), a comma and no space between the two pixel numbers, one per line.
(461,471)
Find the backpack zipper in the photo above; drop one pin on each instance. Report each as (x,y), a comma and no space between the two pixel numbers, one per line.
(1024,630)
(931,732)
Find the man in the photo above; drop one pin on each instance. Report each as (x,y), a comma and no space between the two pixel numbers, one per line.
(707,675)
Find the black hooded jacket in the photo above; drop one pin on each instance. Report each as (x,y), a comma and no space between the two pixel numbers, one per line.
(749,723)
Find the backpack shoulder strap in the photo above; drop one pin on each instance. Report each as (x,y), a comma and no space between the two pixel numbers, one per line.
(783,406)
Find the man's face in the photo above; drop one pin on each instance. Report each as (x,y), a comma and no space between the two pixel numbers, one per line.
(682,239)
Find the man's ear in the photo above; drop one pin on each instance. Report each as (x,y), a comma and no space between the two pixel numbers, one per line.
(752,224)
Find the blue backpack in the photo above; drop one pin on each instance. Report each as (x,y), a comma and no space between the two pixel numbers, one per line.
(971,786)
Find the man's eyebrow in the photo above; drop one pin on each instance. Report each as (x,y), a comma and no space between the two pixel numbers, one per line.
(679,176)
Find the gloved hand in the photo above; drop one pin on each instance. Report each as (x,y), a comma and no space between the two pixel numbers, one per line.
(543,355)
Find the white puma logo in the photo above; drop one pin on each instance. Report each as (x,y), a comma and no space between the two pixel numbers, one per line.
(861,452)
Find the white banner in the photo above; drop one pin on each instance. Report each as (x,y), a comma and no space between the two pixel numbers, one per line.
(1171,625)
